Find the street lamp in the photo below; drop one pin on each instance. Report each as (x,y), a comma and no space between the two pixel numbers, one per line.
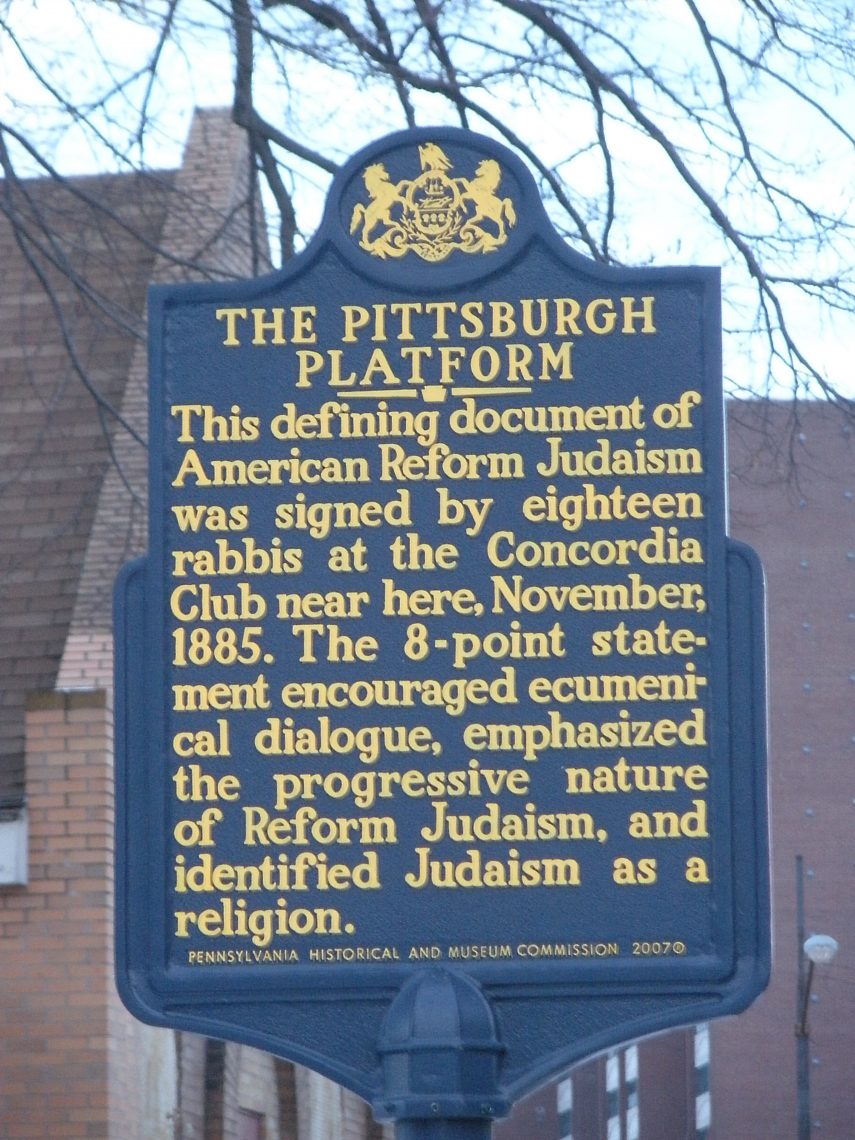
(818,950)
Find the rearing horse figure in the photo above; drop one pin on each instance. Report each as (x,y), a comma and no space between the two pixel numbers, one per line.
(481,191)
(384,195)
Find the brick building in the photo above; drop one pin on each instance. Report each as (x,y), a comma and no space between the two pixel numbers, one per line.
(73,1063)
(791,497)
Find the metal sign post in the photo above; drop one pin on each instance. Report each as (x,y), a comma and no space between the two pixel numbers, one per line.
(440,729)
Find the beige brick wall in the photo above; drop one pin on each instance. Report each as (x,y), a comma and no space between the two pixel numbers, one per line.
(190,1108)
(258,1091)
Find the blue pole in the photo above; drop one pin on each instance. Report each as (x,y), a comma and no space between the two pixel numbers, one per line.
(802,994)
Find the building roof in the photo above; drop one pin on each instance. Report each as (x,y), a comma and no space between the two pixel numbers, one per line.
(76,259)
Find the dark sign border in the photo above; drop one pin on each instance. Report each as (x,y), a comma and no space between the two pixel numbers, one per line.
(550,1013)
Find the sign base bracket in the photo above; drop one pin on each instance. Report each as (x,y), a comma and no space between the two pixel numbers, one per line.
(441,1057)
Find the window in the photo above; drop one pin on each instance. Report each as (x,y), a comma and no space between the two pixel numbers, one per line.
(702,1082)
(565,1109)
(250,1125)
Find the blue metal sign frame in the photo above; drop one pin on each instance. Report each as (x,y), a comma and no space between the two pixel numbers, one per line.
(433,276)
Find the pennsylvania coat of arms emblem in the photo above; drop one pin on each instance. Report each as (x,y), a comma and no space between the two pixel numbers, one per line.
(434,213)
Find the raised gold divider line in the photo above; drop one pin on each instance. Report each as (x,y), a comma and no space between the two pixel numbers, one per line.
(490,391)
(434,393)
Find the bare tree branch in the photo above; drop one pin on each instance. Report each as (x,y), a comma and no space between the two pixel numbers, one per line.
(592,96)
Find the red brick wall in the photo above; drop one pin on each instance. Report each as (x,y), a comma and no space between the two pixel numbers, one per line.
(796,506)
(73,1063)
(55,934)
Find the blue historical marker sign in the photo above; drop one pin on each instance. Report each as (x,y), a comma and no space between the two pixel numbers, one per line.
(440,664)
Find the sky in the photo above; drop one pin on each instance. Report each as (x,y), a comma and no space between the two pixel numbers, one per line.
(199,73)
